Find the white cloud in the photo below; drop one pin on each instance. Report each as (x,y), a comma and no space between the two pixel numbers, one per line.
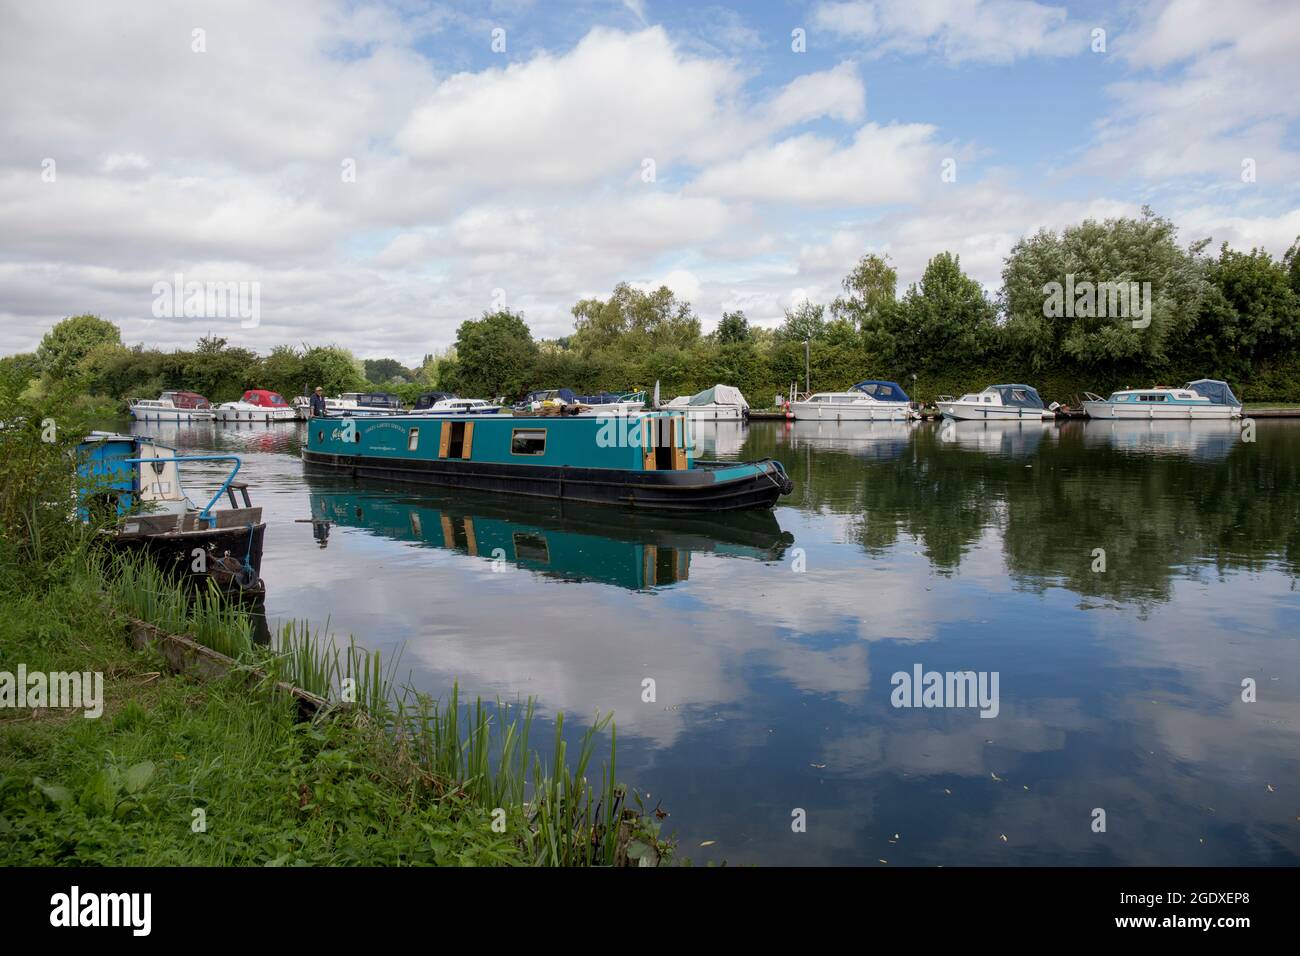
(960,31)
(882,164)
(1206,95)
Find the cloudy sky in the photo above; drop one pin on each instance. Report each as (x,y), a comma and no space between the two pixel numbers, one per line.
(386,170)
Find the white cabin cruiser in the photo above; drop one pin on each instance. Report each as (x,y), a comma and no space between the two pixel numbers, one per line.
(460,406)
(869,401)
(1203,398)
(174,406)
(352,404)
(721,403)
(997,403)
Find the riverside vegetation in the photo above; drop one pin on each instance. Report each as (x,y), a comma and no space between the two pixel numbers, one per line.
(223,771)
(1233,316)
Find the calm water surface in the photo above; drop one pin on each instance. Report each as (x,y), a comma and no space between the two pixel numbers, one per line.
(965,548)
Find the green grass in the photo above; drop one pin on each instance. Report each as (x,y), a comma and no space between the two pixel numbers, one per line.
(398,778)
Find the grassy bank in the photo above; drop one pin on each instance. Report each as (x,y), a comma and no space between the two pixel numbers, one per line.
(182,771)
(221,772)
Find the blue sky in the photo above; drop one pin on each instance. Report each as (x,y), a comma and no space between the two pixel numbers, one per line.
(209,140)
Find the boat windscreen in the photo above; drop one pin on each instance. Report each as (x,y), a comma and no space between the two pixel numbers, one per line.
(1019,396)
(882,391)
(1217,392)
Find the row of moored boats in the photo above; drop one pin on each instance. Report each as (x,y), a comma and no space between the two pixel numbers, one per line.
(719,403)
(886,401)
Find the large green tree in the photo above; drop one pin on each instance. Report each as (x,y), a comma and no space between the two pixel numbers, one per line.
(945,318)
(70,341)
(333,368)
(1052,302)
(495,355)
(869,292)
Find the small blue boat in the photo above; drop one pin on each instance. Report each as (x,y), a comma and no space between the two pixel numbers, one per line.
(137,481)
(641,461)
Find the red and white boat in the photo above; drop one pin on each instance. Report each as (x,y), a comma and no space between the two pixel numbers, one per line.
(258,405)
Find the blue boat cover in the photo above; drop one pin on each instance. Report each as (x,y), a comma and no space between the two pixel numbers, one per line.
(882,391)
(1019,396)
(1217,392)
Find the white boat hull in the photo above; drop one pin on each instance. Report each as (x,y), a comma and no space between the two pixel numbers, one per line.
(1158,411)
(852,411)
(171,415)
(979,412)
(254,415)
(710,413)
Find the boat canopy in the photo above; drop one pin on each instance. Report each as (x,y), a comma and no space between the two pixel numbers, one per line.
(187,399)
(717,395)
(1018,396)
(429,399)
(1217,392)
(882,391)
(263,398)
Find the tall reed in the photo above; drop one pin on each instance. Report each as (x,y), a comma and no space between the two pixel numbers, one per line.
(479,752)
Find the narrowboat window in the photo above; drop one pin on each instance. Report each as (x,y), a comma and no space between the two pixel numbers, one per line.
(531,547)
(320,435)
(412,439)
(528,441)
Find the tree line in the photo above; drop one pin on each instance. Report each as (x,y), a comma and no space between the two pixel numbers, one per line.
(1053,323)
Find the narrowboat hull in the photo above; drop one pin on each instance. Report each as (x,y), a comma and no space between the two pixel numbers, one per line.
(730,486)
(643,461)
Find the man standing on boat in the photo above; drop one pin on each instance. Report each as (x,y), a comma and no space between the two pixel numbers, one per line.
(318,403)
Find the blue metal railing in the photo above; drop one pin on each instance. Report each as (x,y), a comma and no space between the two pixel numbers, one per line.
(206,513)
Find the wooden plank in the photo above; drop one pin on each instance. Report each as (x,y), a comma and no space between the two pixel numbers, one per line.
(466,449)
(448,533)
(649,426)
(444,440)
(679,444)
(470,541)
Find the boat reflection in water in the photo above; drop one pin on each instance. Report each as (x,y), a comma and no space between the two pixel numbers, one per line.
(1013,439)
(879,439)
(1207,439)
(568,542)
(718,439)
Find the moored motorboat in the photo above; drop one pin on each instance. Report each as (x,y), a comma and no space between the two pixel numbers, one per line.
(1204,398)
(557,401)
(136,482)
(642,461)
(721,403)
(172,406)
(997,403)
(462,406)
(351,404)
(869,401)
(256,405)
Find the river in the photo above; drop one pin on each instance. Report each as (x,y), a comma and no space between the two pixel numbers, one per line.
(1119,582)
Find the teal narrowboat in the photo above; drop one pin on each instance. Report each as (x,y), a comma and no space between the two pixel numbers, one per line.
(641,461)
